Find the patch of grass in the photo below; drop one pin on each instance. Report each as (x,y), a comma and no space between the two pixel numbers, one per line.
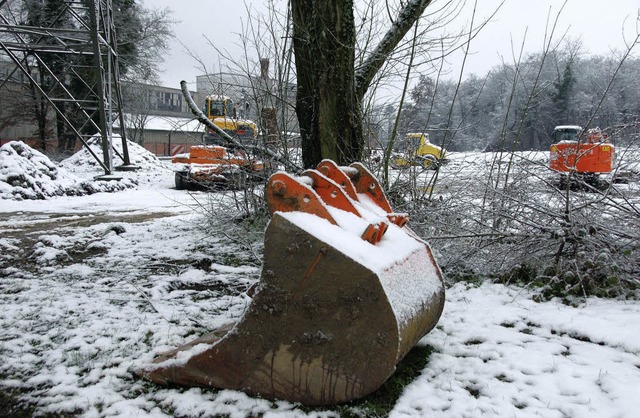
(503,378)
(463,274)
(473,391)
(382,401)
(12,405)
(233,260)
(579,337)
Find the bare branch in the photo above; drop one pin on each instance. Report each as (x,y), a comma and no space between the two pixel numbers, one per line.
(406,19)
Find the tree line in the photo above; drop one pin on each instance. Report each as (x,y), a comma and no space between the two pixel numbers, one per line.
(515,106)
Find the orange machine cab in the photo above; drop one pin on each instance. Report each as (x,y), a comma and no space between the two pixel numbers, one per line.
(586,154)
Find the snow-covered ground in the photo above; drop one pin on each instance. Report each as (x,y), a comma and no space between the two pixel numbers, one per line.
(94,285)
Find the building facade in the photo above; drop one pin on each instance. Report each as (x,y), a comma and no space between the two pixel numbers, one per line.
(158,117)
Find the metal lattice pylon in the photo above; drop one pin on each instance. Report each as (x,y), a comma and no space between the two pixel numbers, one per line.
(88,30)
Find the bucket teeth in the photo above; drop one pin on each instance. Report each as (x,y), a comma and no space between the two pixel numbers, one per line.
(336,309)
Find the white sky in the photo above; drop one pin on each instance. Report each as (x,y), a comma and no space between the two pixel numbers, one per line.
(598,23)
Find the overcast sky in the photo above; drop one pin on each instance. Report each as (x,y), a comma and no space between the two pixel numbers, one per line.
(598,23)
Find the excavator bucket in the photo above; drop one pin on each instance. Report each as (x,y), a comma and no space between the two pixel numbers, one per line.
(346,290)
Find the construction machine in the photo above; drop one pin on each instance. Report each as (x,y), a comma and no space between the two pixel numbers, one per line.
(580,155)
(211,166)
(346,290)
(221,111)
(223,160)
(417,150)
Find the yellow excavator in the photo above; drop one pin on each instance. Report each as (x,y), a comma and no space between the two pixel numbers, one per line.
(223,159)
(221,111)
(417,150)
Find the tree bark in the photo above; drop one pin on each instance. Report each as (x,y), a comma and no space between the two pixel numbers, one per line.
(326,104)
(330,91)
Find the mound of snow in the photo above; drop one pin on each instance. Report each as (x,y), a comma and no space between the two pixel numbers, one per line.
(26,173)
(150,168)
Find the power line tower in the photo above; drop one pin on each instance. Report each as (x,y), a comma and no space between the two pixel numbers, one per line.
(87,85)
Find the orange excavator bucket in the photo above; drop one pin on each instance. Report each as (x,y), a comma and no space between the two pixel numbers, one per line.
(346,290)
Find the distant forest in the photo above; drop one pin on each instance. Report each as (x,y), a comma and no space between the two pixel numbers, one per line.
(516,106)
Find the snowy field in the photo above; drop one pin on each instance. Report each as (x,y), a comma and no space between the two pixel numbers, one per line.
(96,284)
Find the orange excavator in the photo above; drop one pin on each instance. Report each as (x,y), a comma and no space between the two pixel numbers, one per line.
(346,290)
(580,155)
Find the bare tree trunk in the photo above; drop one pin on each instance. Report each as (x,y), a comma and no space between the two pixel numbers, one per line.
(328,110)
(330,88)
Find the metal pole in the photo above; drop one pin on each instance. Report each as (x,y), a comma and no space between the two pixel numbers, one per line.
(106,140)
(108,97)
(115,72)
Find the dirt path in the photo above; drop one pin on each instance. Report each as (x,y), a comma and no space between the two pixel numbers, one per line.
(21,232)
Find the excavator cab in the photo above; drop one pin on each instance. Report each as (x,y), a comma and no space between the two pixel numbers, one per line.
(218,106)
(566,133)
(416,149)
(221,111)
